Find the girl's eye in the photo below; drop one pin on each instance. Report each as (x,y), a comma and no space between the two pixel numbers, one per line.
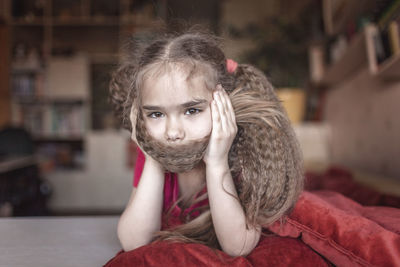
(155,115)
(192,111)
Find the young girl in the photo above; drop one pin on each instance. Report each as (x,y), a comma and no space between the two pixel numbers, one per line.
(220,158)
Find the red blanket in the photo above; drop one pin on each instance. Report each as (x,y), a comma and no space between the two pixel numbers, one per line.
(343,231)
(324,228)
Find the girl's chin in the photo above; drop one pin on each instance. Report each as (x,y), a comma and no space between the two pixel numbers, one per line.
(198,166)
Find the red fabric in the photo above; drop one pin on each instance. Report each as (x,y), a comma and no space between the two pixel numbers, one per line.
(343,231)
(271,251)
(341,180)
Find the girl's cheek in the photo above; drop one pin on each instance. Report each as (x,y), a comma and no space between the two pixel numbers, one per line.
(202,126)
(208,121)
(154,128)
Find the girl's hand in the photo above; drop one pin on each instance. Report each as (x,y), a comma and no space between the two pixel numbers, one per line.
(224,129)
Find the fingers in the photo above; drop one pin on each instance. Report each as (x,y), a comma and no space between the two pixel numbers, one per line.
(218,98)
(225,110)
(230,114)
(216,118)
(230,109)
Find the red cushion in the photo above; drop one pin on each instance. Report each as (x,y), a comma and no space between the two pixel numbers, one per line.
(343,231)
(271,251)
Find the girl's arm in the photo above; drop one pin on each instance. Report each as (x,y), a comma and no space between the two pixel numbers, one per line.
(142,216)
(227,213)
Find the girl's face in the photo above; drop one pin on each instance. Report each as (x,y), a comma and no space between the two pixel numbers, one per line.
(176,110)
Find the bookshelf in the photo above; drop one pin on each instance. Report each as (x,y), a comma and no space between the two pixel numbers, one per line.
(55,48)
(52,102)
(356,55)
(371,46)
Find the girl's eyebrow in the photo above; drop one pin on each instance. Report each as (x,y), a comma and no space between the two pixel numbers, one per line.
(193,103)
(151,107)
(184,105)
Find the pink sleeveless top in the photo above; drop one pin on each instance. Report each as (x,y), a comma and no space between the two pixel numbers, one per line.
(171,195)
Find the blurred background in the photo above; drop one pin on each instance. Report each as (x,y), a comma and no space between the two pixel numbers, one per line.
(335,65)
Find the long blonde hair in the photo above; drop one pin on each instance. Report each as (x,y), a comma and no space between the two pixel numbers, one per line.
(265,159)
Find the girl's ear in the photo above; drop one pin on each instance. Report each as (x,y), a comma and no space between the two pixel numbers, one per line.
(133,119)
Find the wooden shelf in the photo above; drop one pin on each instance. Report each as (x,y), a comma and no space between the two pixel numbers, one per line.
(361,52)
(358,54)
(73,21)
(59,138)
(43,100)
(10,164)
(99,21)
(27,22)
(53,99)
(87,21)
(26,70)
(389,69)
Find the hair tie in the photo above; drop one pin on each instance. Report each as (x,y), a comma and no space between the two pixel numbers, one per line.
(231,65)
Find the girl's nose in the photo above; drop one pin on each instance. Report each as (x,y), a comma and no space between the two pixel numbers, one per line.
(174,131)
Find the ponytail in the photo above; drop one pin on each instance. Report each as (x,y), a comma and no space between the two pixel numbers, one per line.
(265,157)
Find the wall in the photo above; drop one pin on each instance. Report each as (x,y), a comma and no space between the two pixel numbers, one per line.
(106,182)
(314,140)
(363,114)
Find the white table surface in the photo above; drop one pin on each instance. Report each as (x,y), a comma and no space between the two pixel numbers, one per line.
(58,241)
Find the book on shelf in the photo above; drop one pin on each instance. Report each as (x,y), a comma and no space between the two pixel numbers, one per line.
(23,85)
(389,13)
(394,37)
(27,85)
(387,42)
(52,120)
(381,44)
